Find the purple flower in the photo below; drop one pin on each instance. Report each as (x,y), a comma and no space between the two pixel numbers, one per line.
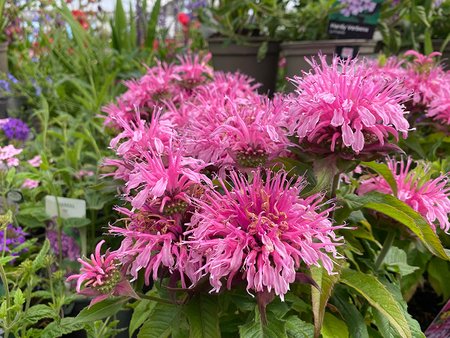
(70,249)
(5,86)
(356,7)
(16,129)
(13,238)
(12,78)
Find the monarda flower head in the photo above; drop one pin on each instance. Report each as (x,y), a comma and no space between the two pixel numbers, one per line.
(343,108)
(153,243)
(261,232)
(101,276)
(439,108)
(164,182)
(429,197)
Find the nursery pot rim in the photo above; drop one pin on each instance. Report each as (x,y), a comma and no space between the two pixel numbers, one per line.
(218,47)
(329,42)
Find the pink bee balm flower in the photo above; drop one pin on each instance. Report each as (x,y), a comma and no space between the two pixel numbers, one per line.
(30,184)
(164,182)
(439,108)
(102,277)
(429,197)
(152,242)
(35,161)
(343,105)
(262,232)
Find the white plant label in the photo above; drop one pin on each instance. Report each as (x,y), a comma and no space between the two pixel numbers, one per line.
(68,207)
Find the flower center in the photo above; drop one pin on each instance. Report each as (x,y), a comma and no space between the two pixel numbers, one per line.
(175,207)
(110,280)
(252,158)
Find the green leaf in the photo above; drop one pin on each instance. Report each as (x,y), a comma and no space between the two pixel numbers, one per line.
(333,327)
(384,171)
(161,321)
(397,261)
(100,310)
(39,261)
(120,25)
(19,298)
(152,24)
(10,176)
(419,13)
(38,312)
(320,297)
(439,276)
(378,297)
(401,212)
(141,312)
(202,314)
(6,259)
(297,328)
(353,318)
(275,328)
(73,222)
(64,326)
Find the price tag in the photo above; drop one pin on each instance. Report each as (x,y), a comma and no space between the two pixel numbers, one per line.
(68,207)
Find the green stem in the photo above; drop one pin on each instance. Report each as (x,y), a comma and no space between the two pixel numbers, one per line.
(385,249)
(7,298)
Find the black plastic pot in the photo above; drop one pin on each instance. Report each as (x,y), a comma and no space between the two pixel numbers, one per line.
(3,107)
(243,58)
(296,51)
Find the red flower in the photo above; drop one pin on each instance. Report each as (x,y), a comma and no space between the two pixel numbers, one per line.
(80,16)
(184,19)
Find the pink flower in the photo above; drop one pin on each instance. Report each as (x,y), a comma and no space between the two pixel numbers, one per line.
(164,182)
(343,105)
(84,173)
(7,156)
(193,70)
(152,242)
(429,197)
(35,161)
(260,231)
(244,132)
(101,277)
(421,59)
(30,184)
(439,108)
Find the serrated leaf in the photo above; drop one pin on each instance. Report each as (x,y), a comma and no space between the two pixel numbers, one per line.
(396,260)
(38,312)
(101,310)
(141,312)
(333,327)
(202,315)
(39,261)
(349,312)
(378,297)
(401,212)
(384,171)
(275,328)
(161,321)
(297,328)
(19,298)
(64,326)
(320,297)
